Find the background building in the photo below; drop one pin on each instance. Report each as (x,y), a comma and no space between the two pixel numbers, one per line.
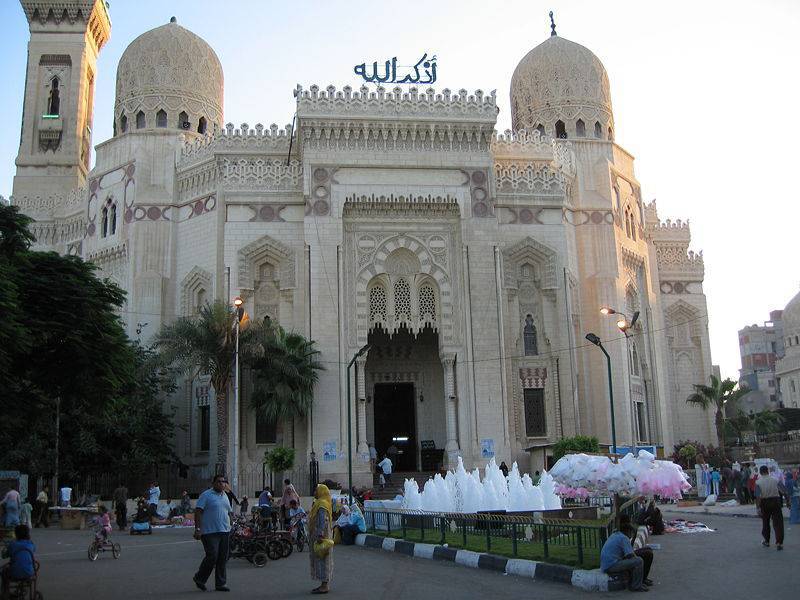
(761,346)
(787,369)
(473,262)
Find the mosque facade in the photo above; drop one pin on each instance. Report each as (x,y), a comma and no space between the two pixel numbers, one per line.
(473,262)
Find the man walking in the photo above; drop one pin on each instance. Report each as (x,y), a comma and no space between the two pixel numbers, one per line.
(212,526)
(42,509)
(386,468)
(120,498)
(770,506)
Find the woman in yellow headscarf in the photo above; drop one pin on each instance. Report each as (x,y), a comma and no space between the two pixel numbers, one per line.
(321,538)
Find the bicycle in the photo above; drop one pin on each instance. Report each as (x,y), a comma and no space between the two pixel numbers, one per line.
(103,544)
(298,532)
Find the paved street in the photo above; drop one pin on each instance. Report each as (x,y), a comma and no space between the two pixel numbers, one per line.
(727,564)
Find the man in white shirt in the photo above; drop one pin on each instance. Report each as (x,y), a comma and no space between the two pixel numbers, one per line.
(386,467)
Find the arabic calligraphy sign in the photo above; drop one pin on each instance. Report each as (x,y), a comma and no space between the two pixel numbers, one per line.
(424,71)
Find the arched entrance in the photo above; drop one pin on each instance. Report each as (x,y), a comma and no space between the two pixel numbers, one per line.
(405,395)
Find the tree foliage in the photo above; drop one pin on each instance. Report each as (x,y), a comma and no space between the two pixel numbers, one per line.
(708,454)
(279,459)
(715,396)
(285,369)
(62,344)
(579,443)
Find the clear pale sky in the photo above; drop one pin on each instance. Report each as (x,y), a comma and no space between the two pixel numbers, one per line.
(705,96)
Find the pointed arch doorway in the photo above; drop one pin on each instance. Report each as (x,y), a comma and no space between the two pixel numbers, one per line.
(405,388)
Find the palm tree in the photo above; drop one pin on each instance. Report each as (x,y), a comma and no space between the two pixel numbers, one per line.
(206,343)
(716,396)
(767,421)
(285,370)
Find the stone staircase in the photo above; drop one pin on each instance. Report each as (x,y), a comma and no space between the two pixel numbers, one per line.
(396,487)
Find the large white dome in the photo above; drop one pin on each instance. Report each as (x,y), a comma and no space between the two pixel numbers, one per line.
(169,69)
(560,80)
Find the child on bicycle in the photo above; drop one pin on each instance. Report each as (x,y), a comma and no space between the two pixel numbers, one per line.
(297,517)
(103,522)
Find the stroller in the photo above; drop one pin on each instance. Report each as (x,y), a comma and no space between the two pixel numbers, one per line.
(141,521)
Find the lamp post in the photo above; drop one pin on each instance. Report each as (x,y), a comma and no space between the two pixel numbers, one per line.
(237,303)
(350,427)
(623,324)
(596,341)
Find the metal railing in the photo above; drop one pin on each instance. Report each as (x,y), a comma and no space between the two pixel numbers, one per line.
(517,536)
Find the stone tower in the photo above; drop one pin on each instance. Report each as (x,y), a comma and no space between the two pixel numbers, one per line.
(56,137)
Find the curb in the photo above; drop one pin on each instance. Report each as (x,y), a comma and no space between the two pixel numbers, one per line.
(591,581)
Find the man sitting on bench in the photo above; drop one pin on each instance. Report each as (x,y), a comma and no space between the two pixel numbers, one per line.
(617,557)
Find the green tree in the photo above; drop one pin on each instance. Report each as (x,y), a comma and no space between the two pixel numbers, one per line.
(63,352)
(716,396)
(766,421)
(688,453)
(206,344)
(579,443)
(285,369)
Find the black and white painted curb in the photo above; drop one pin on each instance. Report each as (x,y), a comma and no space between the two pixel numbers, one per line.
(586,580)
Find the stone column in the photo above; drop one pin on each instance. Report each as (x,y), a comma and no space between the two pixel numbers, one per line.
(361,407)
(452,448)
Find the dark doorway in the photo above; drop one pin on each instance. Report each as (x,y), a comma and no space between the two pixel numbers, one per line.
(395,423)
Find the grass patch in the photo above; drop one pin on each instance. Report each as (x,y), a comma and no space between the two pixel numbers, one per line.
(560,546)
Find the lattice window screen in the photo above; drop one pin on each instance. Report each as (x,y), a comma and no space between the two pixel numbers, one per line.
(402,301)
(377,306)
(427,305)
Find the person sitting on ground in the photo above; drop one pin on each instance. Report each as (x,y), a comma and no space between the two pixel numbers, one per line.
(166,511)
(350,524)
(617,557)
(652,518)
(142,512)
(22,563)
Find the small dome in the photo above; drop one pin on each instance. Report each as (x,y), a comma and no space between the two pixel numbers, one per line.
(173,78)
(560,80)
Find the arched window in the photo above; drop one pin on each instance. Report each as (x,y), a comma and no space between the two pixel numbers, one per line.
(529,337)
(123,123)
(200,301)
(561,130)
(112,217)
(540,129)
(580,128)
(201,125)
(633,226)
(627,223)
(598,130)
(183,121)
(634,360)
(161,118)
(610,135)
(140,120)
(618,201)
(104,226)
(54,101)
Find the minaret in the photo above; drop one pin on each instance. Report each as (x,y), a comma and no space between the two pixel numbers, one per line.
(56,137)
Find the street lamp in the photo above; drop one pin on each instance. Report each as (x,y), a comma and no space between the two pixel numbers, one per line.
(363,350)
(237,303)
(622,320)
(596,341)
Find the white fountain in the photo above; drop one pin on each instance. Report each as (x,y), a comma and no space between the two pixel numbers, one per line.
(462,492)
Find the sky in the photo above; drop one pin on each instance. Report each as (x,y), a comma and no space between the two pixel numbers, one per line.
(699,89)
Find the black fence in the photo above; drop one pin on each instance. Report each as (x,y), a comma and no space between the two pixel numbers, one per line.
(527,536)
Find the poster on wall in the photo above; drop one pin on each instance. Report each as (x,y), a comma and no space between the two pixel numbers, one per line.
(487,448)
(329,451)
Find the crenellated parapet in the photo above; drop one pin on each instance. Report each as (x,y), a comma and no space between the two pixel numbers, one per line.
(399,103)
(677,265)
(258,139)
(529,162)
